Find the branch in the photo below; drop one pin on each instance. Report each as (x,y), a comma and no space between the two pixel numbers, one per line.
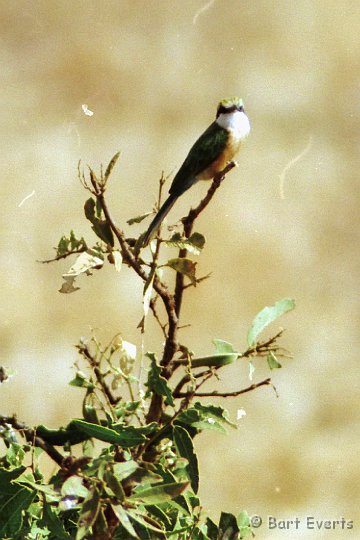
(172,303)
(263,347)
(171,344)
(94,364)
(183,406)
(64,255)
(156,315)
(266,382)
(188,223)
(32,438)
(187,378)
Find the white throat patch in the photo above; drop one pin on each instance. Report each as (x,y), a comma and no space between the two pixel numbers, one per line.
(236,121)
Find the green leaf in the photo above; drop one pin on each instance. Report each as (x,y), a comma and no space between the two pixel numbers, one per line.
(194,244)
(103,230)
(11,510)
(69,244)
(214,360)
(89,209)
(156,383)
(206,417)
(272,361)
(212,529)
(161,514)
(146,429)
(15,454)
(100,226)
(48,490)
(195,419)
(158,494)
(81,381)
(228,528)
(111,165)
(225,354)
(142,519)
(243,521)
(101,525)
(112,483)
(267,316)
(58,437)
(54,524)
(74,487)
(138,219)
(125,437)
(185,449)
(184,266)
(222,346)
(144,476)
(216,412)
(123,518)
(125,469)
(6,477)
(90,413)
(88,513)
(200,533)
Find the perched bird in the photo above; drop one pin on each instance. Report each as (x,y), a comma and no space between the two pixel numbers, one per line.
(209,155)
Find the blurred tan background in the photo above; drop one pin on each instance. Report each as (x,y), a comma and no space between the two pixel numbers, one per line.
(152,72)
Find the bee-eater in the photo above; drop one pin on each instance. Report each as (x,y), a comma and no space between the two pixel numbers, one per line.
(209,155)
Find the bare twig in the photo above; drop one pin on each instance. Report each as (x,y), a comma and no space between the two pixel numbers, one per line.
(153,267)
(188,377)
(159,287)
(84,350)
(65,255)
(197,280)
(188,223)
(215,393)
(263,347)
(156,315)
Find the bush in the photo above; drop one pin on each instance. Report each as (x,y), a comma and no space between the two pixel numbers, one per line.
(136,474)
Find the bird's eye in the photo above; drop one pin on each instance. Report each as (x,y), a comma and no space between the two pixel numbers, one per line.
(241,108)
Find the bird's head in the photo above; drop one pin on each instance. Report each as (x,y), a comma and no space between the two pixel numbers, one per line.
(230,105)
(230,115)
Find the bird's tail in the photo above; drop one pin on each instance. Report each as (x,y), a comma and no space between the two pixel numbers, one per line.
(156,222)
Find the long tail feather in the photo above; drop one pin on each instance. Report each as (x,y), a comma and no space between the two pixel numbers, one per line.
(156,222)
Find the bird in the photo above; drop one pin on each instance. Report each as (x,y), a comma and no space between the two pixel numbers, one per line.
(208,156)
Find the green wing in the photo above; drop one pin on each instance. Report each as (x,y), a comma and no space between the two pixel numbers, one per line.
(202,154)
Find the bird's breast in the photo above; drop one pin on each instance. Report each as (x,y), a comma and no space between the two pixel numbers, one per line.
(232,147)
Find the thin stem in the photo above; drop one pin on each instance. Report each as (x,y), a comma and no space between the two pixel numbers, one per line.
(132,261)
(65,255)
(84,351)
(188,223)
(266,382)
